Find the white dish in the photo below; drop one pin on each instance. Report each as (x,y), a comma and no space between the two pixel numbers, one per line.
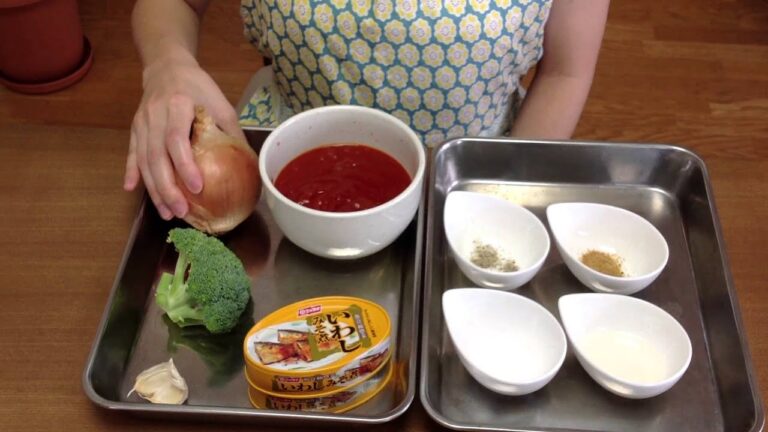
(581,227)
(630,347)
(514,231)
(508,343)
(347,235)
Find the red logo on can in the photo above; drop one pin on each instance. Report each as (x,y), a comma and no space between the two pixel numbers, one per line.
(309,310)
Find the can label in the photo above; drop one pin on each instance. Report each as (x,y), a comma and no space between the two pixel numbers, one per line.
(338,402)
(355,372)
(318,346)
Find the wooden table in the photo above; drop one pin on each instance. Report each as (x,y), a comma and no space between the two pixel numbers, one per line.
(64,218)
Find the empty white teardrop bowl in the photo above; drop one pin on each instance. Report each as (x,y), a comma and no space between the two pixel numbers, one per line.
(508,343)
(582,227)
(629,346)
(472,219)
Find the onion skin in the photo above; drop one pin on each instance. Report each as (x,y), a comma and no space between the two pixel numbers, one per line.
(231,181)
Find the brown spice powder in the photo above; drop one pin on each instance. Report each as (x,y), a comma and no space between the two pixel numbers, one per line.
(603,262)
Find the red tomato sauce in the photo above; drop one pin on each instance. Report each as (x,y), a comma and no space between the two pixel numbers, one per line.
(342,178)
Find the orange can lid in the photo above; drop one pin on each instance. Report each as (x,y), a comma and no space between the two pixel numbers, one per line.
(316,336)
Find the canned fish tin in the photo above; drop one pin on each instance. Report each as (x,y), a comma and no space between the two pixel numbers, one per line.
(339,402)
(317,347)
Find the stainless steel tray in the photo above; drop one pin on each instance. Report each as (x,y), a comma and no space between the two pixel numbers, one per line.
(669,186)
(134,334)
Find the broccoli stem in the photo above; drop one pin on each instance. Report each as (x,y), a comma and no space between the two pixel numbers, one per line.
(178,291)
(178,303)
(185,315)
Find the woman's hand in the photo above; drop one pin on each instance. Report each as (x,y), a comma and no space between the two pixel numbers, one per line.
(160,153)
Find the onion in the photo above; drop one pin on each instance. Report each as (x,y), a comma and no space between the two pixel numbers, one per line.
(231,182)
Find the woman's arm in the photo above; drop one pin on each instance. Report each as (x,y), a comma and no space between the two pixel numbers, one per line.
(564,75)
(164,30)
(166,35)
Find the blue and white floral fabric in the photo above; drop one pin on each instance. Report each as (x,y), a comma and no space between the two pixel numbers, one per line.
(447,68)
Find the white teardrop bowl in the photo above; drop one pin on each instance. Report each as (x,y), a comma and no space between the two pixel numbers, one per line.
(469,217)
(508,343)
(580,227)
(629,346)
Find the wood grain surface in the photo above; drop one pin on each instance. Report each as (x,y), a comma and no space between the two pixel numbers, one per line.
(683,72)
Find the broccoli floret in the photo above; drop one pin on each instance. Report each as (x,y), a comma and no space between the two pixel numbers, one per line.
(209,286)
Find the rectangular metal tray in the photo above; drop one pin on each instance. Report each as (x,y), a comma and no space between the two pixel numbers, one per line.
(134,334)
(667,185)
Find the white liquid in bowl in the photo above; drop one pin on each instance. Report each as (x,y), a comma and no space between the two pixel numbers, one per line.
(627,356)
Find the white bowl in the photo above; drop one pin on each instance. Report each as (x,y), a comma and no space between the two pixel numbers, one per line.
(512,229)
(342,235)
(580,227)
(508,343)
(630,347)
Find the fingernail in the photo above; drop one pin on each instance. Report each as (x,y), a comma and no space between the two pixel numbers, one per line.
(195,186)
(128,183)
(164,212)
(180,209)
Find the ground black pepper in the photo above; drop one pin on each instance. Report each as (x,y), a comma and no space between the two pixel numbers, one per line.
(488,257)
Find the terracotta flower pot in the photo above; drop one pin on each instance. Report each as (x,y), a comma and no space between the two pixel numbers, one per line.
(42,47)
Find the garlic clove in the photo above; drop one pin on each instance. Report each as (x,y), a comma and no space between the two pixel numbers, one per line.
(161,383)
